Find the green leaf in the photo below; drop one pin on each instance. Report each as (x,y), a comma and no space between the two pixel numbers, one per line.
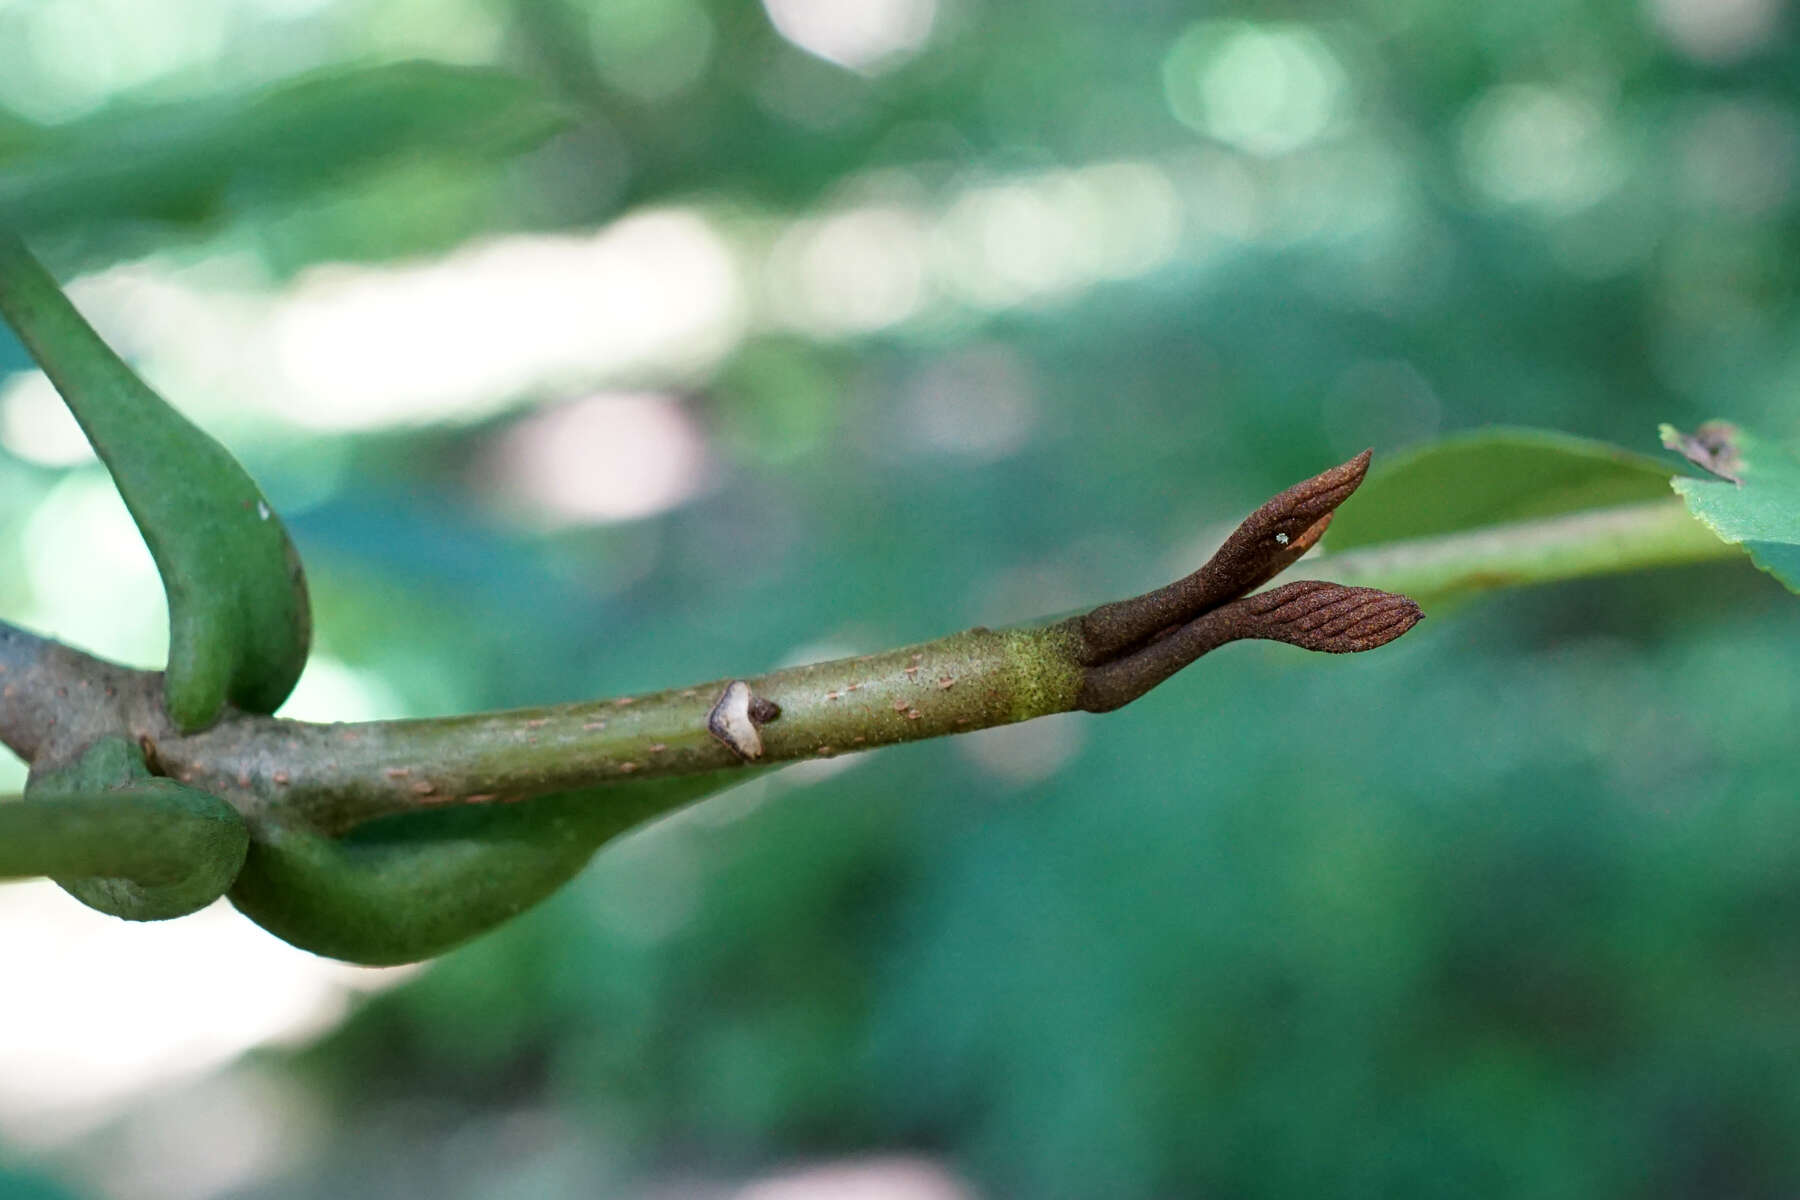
(411,886)
(183,161)
(120,839)
(1757,503)
(239,621)
(1509,508)
(1491,477)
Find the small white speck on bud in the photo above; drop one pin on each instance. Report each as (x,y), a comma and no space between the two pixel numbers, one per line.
(1281,539)
(262,509)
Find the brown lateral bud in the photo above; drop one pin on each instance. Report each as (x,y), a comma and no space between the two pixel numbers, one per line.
(1324,616)
(1267,543)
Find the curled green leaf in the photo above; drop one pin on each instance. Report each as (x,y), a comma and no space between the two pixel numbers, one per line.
(410,886)
(239,622)
(121,840)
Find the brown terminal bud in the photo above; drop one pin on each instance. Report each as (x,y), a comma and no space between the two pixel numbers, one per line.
(1268,541)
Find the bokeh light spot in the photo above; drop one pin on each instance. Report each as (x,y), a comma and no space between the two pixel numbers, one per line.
(865,1179)
(651,49)
(1738,156)
(867,35)
(1006,244)
(202,990)
(1029,752)
(850,272)
(1716,30)
(466,335)
(37,426)
(93,583)
(1268,90)
(1539,147)
(332,690)
(79,53)
(609,457)
(979,405)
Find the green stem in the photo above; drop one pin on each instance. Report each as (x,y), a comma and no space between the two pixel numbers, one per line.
(1605,541)
(336,776)
(56,701)
(331,778)
(388,841)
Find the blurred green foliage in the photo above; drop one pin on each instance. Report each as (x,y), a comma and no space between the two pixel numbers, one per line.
(16,1186)
(190,160)
(1506,909)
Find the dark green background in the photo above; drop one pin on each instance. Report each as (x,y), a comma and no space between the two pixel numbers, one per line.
(1511,907)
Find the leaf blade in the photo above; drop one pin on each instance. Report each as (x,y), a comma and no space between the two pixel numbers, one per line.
(1758,508)
(1489,477)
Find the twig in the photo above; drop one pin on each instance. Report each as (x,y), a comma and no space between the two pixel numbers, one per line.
(330,778)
